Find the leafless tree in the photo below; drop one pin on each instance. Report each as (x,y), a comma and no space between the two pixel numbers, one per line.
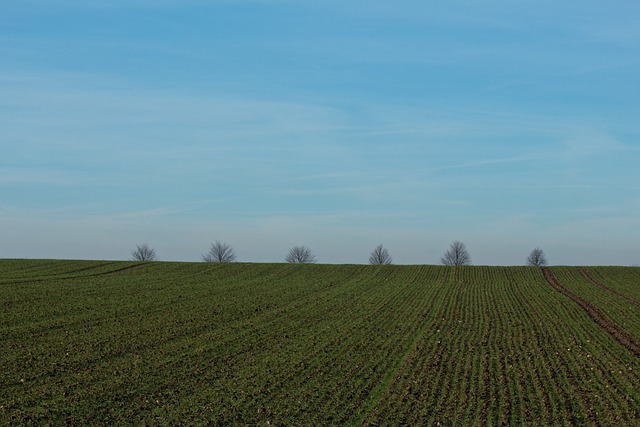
(144,252)
(380,255)
(537,258)
(456,255)
(301,255)
(219,252)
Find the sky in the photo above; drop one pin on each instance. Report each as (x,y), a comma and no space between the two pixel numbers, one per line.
(506,125)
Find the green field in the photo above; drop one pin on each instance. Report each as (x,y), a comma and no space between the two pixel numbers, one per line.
(89,342)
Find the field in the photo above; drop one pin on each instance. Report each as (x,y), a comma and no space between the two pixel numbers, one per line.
(90,342)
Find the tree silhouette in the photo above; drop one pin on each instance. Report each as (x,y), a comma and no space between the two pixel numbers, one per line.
(457,254)
(537,258)
(144,252)
(300,255)
(219,252)
(380,255)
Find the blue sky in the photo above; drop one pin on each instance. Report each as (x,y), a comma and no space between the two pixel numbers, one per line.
(507,125)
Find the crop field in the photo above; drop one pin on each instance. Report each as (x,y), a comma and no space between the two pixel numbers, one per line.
(105,342)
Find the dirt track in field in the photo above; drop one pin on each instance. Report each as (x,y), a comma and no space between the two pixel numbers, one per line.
(605,288)
(596,315)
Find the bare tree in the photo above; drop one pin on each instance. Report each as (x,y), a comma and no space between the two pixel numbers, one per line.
(144,252)
(537,258)
(300,255)
(456,255)
(380,255)
(219,252)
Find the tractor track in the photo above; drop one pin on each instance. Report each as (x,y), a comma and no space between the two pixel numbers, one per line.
(596,315)
(605,288)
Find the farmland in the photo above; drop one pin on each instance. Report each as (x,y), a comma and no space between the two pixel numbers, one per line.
(103,342)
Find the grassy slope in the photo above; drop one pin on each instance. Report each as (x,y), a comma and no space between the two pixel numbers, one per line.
(97,342)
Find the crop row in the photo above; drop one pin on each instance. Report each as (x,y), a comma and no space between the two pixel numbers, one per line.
(245,331)
(623,280)
(169,343)
(615,305)
(509,351)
